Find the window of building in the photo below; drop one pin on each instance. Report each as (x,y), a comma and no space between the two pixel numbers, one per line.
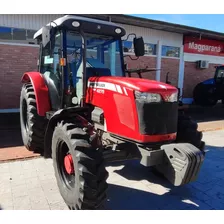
(169,51)
(150,49)
(128,47)
(5,33)
(30,34)
(15,35)
(18,34)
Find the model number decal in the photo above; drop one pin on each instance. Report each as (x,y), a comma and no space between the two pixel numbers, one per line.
(100,91)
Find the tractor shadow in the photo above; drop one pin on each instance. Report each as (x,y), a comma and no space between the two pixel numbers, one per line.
(126,195)
(126,198)
(136,187)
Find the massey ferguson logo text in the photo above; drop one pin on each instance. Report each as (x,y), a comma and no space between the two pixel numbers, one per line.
(95,84)
(203,47)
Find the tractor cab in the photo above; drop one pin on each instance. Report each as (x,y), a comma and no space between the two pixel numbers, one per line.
(74,49)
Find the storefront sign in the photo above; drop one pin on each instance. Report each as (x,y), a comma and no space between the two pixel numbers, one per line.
(203,46)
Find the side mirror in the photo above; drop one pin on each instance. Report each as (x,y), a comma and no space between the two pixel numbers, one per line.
(139,46)
(46,35)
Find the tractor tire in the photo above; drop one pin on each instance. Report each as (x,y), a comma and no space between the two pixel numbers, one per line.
(198,94)
(32,125)
(79,168)
(205,95)
(187,132)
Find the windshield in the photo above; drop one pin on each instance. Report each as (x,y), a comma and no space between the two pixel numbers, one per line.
(220,75)
(102,54)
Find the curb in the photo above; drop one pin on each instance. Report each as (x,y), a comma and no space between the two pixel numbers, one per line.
(212,129)
(19,159)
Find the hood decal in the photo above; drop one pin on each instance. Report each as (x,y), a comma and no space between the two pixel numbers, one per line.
(107,86)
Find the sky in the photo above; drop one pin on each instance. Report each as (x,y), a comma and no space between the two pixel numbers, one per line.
(214,22)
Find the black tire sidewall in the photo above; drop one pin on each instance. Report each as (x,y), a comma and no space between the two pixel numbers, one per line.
(24,131)
(211,98)
(202,96)
(70,196)
(187,132)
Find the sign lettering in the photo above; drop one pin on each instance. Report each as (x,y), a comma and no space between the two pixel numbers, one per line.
(203,46)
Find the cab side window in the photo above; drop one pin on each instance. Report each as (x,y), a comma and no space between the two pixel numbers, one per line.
(49,67)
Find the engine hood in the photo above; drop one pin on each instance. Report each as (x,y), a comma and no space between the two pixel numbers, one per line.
(142,85)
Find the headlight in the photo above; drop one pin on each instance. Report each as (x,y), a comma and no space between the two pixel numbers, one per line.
(173,97)
(148,97)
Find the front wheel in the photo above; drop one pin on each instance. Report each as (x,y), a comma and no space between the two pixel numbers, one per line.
(79,168)
(187,132)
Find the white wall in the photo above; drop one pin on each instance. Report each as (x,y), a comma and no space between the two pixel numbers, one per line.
(32,21)
(36,21)
(196,57)
(152,36)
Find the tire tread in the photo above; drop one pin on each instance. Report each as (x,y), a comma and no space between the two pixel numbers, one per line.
(92,186)
(37,124)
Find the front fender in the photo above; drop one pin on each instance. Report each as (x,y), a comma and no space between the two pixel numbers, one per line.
(40,90)
(68,115)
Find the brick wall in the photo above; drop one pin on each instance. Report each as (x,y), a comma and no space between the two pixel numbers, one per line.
(170,65)
(193,76)
(142,62)
(167,65)
(14,61)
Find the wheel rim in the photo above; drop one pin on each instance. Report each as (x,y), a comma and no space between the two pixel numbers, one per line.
(24,114)
(65,165)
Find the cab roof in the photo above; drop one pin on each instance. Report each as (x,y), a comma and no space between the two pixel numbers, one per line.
(86,24)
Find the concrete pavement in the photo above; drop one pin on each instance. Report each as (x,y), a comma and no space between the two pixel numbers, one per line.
(31,184)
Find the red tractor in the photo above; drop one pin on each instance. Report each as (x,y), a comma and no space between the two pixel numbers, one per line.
(82,111)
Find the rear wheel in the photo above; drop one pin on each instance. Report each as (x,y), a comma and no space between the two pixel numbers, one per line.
(187,132)
(32,125)
(205,95)
(79,168)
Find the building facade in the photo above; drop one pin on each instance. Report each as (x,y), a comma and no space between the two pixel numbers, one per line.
(169,51)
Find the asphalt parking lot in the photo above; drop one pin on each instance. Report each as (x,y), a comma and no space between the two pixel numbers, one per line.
(31,185)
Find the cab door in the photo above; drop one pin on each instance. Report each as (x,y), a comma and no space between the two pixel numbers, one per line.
(49,67)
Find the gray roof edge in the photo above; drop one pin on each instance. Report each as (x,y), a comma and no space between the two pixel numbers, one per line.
(144,22)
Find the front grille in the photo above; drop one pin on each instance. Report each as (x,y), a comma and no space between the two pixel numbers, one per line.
(157,118)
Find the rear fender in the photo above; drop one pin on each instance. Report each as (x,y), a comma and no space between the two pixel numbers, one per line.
(67,114)
(209,82)
(40,90)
